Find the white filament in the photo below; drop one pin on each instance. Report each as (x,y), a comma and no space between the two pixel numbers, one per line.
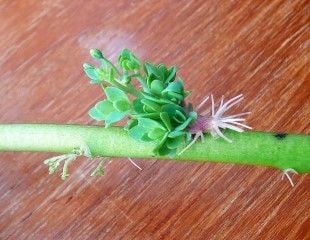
(286,174)
(219,120)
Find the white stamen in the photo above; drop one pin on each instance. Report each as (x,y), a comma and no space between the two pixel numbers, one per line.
(191,143)
(133,163)
(202,103)
(286,174)
(219,133)
(212,107)
(230,103)
(237,115)
(229,119)
(222,101)
(242,125)
(233,122)
(229,126)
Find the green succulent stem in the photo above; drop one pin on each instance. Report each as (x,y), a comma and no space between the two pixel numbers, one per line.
(142,81)
(128,88)
(111,65)
(281,151)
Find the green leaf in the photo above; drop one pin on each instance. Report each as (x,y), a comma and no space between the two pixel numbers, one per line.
(166,120)
(130,124)
(156,133)
(163,150)
(162,70)
(150,68)
(128,61)
(171,109)
(166,101)
(92,73)
(180,115)
(154,106)
(176,96)
(139,133)
(147,109)
(105,107)
(157,87)
(138,106)
(173,143)
(146,115)
(151,97)
(175,134)
(172,153)
(181,127)
(121,105)
(161,143)
(150,124)
(172,72)
(93,113)
(176,87)
(114,94)
(115,117)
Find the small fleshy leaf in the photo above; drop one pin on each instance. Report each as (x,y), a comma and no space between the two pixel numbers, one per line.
(157,86)
(150,104)
(175,134)
(166,120)
(105,107)
(115,117)
(150,124)
(184,124)
(156,133)
(121,105)
(172,72)
(139,133)
(114,94)
(92,73)
(95,114)
(173,143)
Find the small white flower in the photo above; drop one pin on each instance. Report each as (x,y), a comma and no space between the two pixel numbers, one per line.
(219,120)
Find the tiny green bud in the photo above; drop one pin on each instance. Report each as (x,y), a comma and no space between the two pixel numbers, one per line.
(87,66)
(96,53)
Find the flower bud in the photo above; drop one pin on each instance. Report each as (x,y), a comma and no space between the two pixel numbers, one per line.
(96,53)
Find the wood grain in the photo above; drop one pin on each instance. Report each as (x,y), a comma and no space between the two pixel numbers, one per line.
(258,48)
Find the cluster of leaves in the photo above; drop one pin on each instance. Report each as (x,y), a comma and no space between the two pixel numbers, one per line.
(154,112)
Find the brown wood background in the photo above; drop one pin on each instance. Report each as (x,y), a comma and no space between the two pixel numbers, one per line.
(258,48)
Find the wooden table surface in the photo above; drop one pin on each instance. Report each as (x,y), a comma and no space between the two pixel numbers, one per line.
(258,48)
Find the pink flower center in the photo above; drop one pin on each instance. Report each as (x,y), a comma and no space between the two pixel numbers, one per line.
(202,124)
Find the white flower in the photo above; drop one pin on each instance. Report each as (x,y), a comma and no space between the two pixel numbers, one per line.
(216,120)
(219,120)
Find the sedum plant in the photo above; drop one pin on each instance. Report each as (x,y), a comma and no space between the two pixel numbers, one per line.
(148,104)
(153,111)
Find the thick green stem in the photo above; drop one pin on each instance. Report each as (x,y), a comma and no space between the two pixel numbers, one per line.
(257,148)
